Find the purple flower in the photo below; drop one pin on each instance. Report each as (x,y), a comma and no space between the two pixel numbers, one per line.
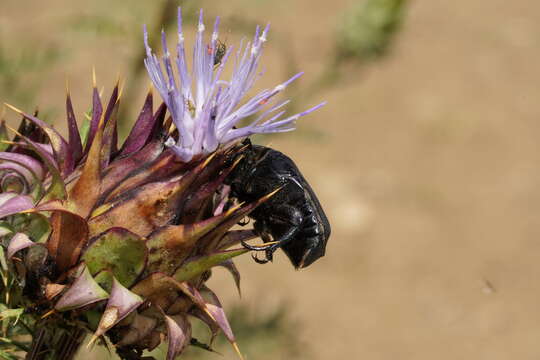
(207,109)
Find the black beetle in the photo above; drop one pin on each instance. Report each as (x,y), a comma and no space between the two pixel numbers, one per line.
(293,217)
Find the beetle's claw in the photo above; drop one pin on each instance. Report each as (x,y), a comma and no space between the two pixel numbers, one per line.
(270,253)
(243,222)
(269,250)
(257,260)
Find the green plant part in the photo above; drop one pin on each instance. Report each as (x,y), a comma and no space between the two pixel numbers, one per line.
(368,28)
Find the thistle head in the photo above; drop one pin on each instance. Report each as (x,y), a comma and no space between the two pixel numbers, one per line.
(120,239)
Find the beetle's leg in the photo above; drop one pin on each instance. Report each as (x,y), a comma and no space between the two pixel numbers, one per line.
(259,261)
(284,239)
(254,247)
(261,229)
(244,221)
(263,235)
(284,215)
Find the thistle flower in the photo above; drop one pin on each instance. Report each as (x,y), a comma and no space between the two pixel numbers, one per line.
(120,240)
(206,109)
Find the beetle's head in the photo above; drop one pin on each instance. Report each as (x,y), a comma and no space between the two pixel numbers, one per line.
(303,252)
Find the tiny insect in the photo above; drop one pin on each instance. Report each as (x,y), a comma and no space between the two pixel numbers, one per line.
(292,218)
(221,50)
(191,107)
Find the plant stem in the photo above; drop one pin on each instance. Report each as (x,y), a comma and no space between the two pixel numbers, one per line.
(55,342)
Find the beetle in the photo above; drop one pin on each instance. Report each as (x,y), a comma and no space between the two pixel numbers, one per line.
(292,218)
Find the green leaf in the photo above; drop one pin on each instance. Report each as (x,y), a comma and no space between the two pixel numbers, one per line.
(121,252)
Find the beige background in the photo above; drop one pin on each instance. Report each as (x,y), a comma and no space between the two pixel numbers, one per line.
(427,163)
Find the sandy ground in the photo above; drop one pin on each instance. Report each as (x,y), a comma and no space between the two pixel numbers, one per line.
(427,164)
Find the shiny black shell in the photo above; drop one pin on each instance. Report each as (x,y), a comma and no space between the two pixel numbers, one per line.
(263,170)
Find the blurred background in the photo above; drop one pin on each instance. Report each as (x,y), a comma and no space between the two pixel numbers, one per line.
(426,160)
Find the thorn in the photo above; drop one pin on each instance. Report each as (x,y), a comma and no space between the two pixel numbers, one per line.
(233,209)
(120,92)
(94,76)
(244,147)
(207,312)
(14,131)
(268,196)
(14,108)
(101,122)
(67,86)
(237,349)
(92,341)
(208,159)
(237,161)
(49,313)
(29,211)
